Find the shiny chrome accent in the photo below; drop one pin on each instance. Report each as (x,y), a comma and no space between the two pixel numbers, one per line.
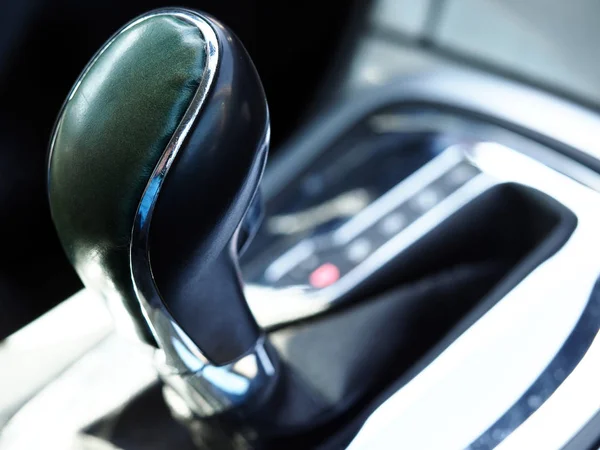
(213,389)
(525,358)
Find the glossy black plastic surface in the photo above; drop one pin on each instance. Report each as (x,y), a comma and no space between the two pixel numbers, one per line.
(206,194)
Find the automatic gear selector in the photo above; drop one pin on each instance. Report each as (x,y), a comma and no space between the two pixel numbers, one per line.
(379,240)
(154,164)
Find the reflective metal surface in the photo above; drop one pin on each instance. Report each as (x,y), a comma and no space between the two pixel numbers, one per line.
(285,262)
(214,388)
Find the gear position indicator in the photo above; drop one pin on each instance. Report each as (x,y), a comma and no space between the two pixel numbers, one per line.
(318,263)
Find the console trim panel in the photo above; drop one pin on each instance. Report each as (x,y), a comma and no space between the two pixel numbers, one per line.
(474,381)
(560,134)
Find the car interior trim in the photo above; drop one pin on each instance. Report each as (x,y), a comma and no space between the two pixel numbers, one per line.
(460,382)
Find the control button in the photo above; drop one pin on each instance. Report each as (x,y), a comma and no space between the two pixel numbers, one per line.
(324,275)
(425,200)
(358,250)
(392,224)
(460,174)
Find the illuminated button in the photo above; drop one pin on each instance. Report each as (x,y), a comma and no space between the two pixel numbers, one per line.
(358,250)
(425,199)
(324,275)
(392,224)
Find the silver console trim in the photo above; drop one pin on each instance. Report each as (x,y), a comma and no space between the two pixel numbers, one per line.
(570,406)
(210,389)
(457,400)
(552,130)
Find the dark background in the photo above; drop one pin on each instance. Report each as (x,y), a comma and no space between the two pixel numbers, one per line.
(44,45)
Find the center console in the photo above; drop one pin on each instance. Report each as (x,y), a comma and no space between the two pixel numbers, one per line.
(427,262)
(506,373)
(361,209)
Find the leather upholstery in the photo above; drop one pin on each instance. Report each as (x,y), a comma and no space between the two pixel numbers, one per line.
(112,131)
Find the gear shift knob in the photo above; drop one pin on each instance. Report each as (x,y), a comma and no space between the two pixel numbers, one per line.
(154,163)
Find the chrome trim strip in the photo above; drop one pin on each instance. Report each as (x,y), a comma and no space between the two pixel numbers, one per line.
(215,388)
(551,130)
(483,375)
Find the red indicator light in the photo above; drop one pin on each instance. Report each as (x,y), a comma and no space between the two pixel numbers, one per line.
(324,275)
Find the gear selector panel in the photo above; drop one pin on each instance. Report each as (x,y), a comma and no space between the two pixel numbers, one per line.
(382,186)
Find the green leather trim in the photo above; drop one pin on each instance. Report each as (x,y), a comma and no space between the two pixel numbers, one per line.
(112,131)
